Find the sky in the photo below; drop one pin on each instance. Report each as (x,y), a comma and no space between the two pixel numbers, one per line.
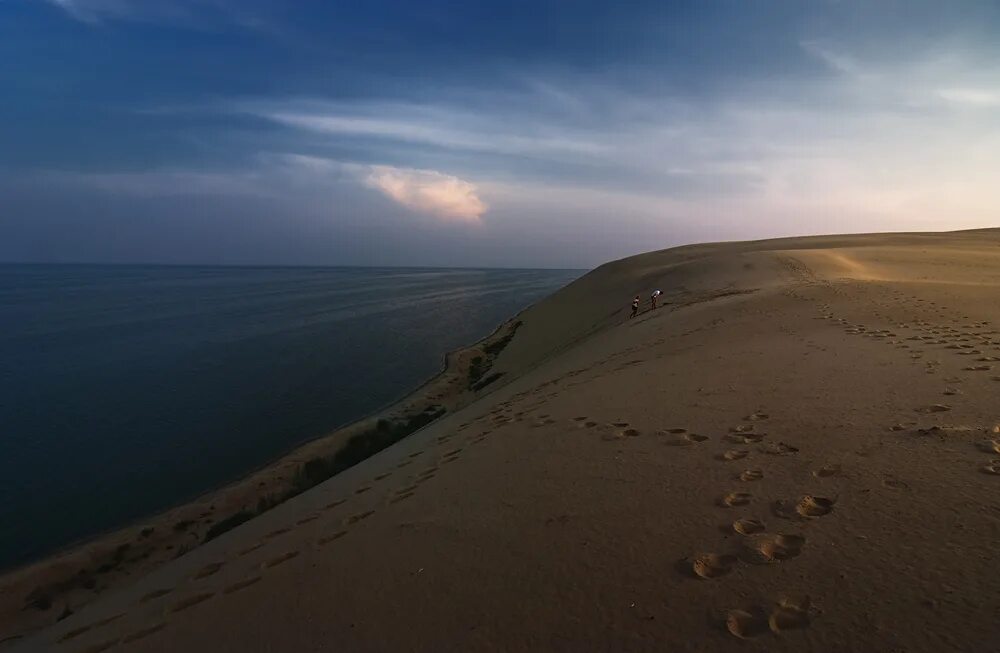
(539,133)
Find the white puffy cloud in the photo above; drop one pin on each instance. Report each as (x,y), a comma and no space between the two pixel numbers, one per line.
(429,191)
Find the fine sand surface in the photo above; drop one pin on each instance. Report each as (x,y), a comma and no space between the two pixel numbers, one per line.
(798,452)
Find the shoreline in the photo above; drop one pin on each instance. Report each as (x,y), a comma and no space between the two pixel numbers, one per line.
(46,590)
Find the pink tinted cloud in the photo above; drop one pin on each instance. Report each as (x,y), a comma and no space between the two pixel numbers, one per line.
(430,192)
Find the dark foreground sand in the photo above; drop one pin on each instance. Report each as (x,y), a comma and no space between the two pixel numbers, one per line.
(798,453)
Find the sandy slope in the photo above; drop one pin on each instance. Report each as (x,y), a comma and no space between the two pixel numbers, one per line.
(834,399)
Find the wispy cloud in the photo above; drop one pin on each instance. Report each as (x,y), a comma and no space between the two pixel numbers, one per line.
(429,191)
(436,125)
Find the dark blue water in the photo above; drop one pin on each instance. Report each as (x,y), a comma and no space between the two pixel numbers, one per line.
(127,389)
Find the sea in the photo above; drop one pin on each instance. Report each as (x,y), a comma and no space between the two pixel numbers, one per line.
(125,390)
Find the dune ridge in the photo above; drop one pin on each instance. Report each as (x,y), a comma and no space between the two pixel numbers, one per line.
(798,451)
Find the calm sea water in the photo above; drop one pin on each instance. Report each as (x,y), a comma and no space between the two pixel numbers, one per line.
(127,389)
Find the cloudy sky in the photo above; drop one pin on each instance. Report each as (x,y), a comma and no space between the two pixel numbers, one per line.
(519,133)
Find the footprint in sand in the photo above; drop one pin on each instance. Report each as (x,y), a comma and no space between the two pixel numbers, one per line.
(353,519)
(751,475)
(733,454)
(747,526)
(777,449)
(680,437)
(933,408)
(734,499)
(76,632)
(789,614)
(741,428)
(242,584)
(208,570)
(977,368)
(767,548)
(251,549)
(989,446)
(992,467)
(747,624)
(277,560)
(813,506)
(757,417)
(401,497)
(323,541)
(711,565)
(827,471)
(744,438)
(155,594)
(333,504)
(143,632)
(306,520)
(191,601)
(280,531)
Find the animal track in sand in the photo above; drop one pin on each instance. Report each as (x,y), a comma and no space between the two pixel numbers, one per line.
(767,548)
(284,557)
(242,584)
(208,570)
(191,601)
(827,470)
(748,475)
(813,506)
(733,454)
(734,499)
(747,526)
(712,565)
(933,408)
(143,632)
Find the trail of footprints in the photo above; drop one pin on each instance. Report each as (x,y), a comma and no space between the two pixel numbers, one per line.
(757,546)
(977,342)
(174,600)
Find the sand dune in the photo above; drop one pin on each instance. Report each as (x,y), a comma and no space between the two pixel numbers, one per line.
(798,452)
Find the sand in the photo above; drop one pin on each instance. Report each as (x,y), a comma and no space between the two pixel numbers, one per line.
(797,452)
